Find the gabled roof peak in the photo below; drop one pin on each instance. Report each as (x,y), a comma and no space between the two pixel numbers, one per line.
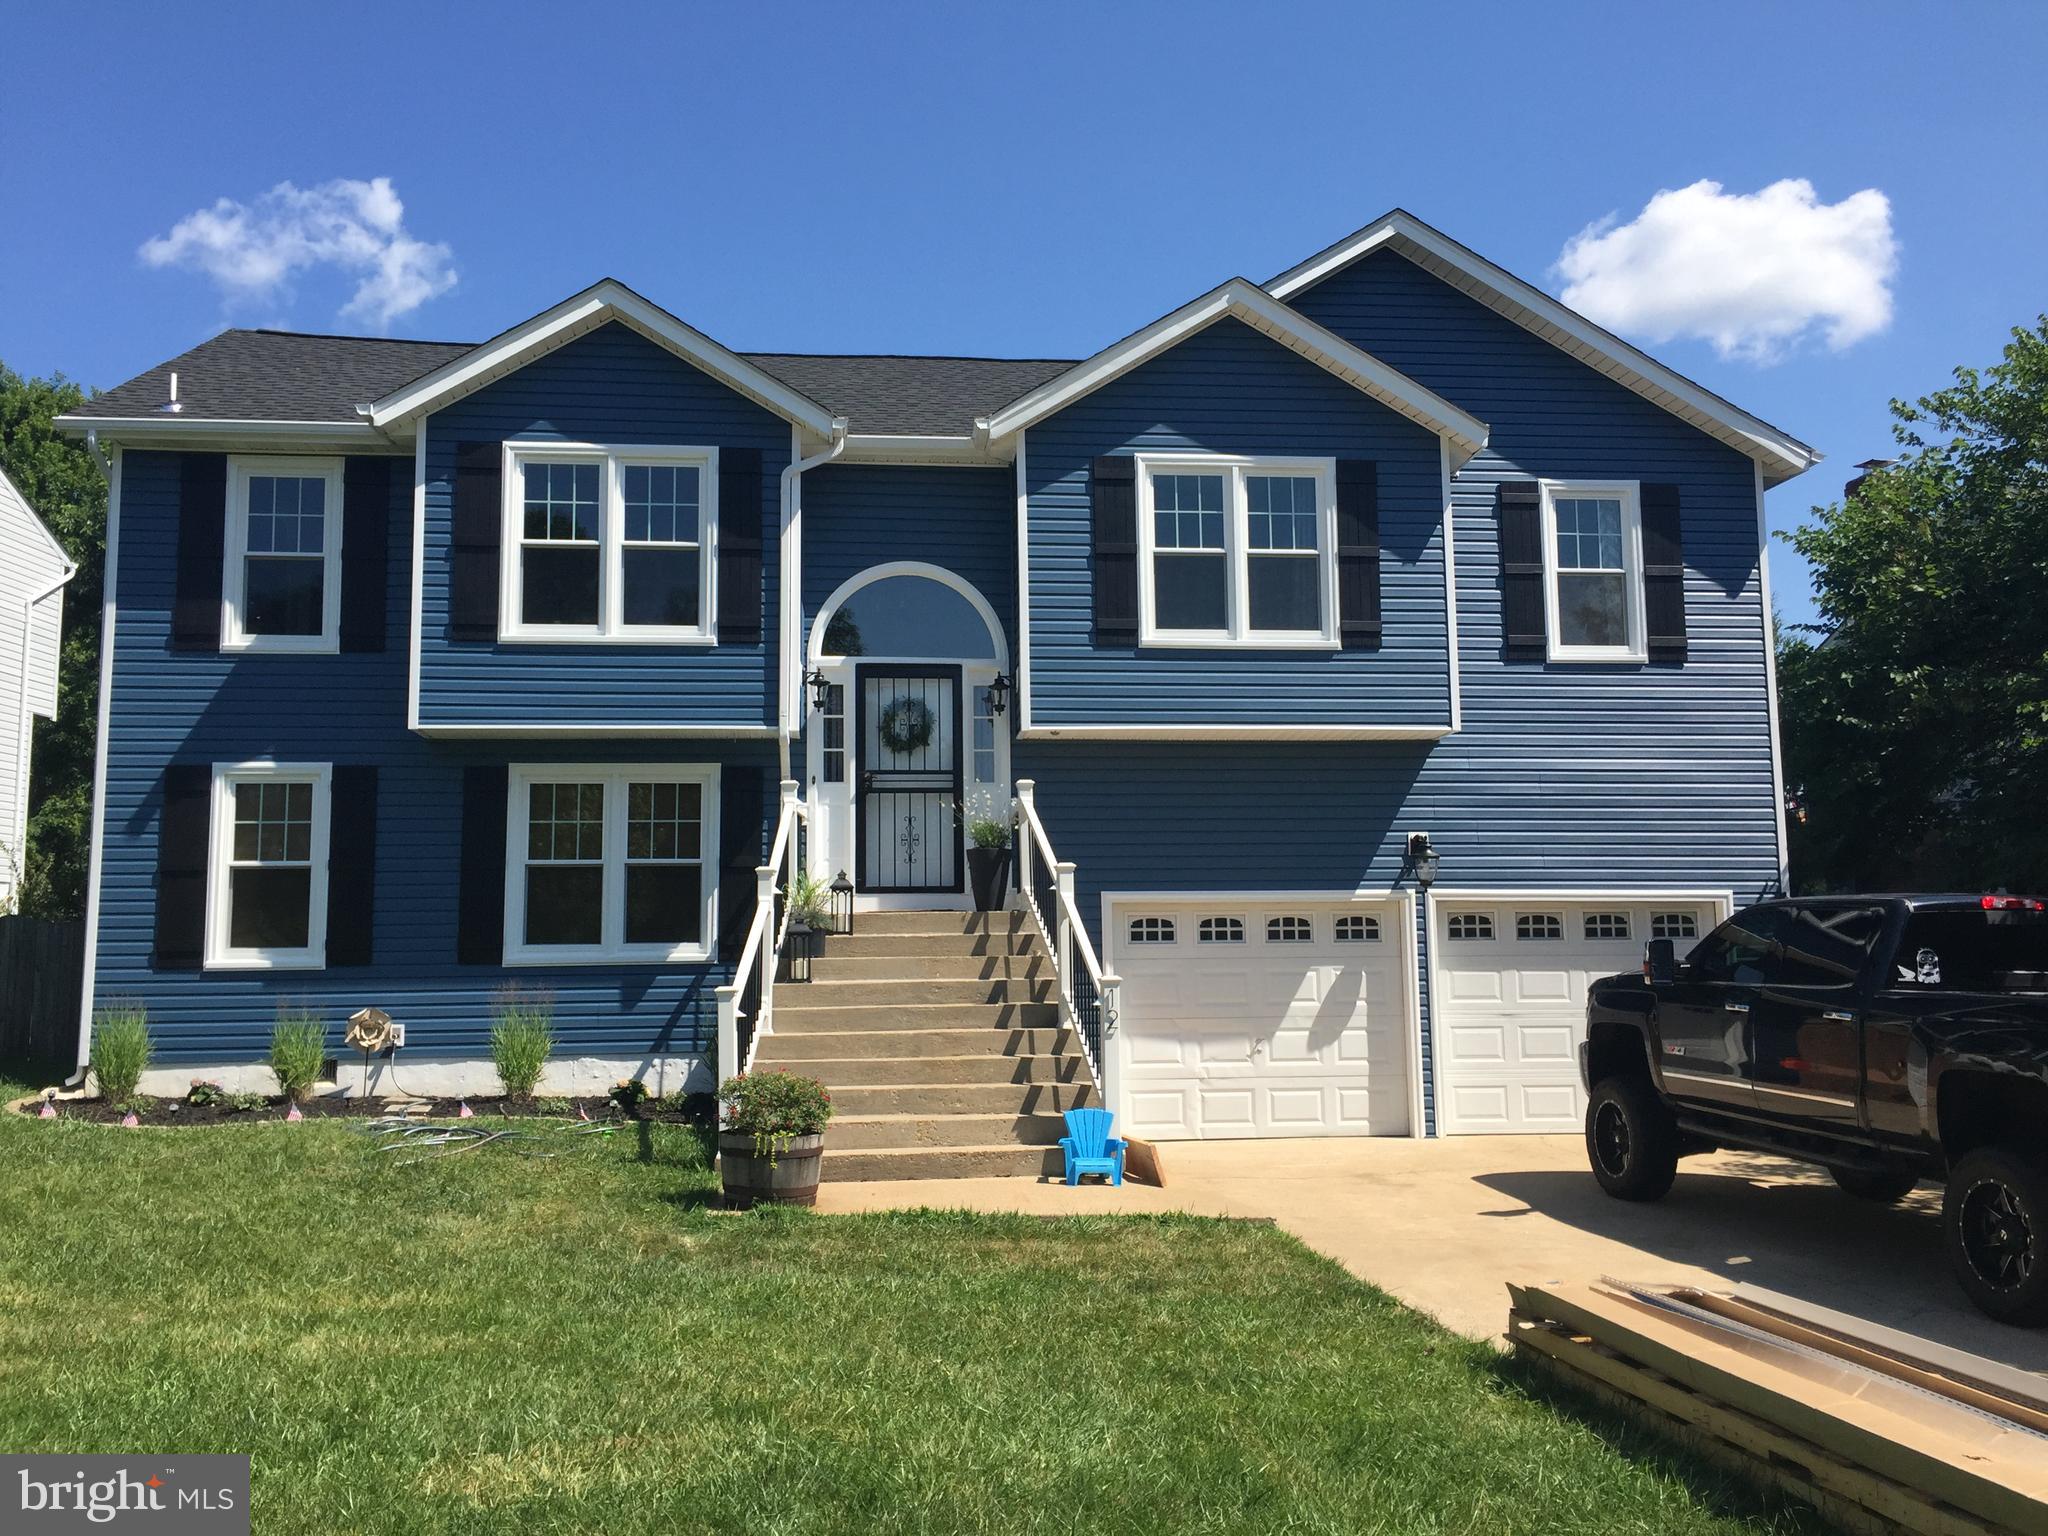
(1779,453)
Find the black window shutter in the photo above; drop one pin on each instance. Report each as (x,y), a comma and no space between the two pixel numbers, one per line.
(351,864)
(183,836)
(365,552)
(480,920)
(1113,548)
(1663,574)
(742,802)
(473,545)
(1521,571)
(202,535)
(739,546)
(1358,553)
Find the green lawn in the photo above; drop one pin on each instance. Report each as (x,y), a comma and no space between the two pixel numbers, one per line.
(494,1343)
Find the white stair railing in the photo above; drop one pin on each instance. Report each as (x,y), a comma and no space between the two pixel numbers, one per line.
(762,952)
(1089,998)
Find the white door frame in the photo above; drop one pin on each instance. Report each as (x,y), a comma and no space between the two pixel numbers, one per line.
(1722,900)
(1401,903)
(834,807)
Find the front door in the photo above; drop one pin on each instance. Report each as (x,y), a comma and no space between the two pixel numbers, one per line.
(908,773)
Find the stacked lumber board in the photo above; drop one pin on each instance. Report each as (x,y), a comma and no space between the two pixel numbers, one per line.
(1880,1431)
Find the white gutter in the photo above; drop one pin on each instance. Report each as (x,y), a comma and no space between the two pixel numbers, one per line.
(792,605)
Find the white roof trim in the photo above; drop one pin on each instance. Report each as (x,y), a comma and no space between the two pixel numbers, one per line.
(1240,299)
(903,448)
(208,431)
(1781,454)
(9,491)
(602,302)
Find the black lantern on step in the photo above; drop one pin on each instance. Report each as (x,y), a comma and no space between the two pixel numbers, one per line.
(999,694)
(801,946)
(842,904)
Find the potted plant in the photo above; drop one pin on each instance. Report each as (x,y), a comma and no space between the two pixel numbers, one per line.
(989,822)
(771,1142)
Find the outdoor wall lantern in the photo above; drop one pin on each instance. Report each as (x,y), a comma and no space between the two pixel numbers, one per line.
(999,694)
(821,689)
(1422,859)
(842,904)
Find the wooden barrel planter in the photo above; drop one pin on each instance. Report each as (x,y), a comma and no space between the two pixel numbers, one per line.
(785,1175)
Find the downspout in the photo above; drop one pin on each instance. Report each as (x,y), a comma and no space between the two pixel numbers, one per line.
(792,588)
(99,777)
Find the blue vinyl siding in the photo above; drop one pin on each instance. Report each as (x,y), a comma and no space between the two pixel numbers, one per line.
(189,707)
(611,386)
(1229,389)
(962,520)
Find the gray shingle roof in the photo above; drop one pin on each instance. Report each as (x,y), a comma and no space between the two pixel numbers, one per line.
(292,376)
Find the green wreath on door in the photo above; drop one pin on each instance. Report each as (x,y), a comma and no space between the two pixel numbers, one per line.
(906,725)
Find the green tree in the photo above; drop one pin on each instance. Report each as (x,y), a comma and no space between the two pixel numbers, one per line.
(64,484)
(1916,732)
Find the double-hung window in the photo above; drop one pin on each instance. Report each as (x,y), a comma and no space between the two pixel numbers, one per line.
(281,585)
(1593,553)
(267,877)
(1237,551)
(610,863)
(608,543)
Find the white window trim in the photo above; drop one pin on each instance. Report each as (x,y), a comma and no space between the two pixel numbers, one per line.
(612,949)
(1629,493)
(1239,635)
(611,628)
(220,855)
(235,548)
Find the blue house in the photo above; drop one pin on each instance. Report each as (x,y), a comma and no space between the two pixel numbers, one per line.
(1376,655)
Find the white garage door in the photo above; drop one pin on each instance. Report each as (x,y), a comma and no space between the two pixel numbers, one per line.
(1273,1019)
(1510,1004)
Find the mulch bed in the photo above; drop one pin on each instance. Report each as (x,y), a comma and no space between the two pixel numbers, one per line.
(179,1112)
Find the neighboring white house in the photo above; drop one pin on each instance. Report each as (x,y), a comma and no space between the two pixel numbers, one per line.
(33,571)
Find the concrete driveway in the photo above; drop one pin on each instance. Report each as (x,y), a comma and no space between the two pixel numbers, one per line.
(1444,1225)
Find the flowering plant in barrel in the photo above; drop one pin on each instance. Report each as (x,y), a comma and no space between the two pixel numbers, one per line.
(771,1137)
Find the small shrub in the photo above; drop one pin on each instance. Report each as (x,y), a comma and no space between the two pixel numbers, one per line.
(810,902)
(630,1093)
(522,1038)
(121,1049)
(202,1093)
(298,1050)
(242,1103)
(774,1108)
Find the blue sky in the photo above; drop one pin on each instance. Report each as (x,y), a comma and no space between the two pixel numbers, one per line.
(1024,180)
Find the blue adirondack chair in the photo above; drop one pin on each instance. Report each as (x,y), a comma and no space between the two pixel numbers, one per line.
(1089,1146)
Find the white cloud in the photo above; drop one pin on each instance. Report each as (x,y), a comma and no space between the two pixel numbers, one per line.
(1754,273)
(252,250)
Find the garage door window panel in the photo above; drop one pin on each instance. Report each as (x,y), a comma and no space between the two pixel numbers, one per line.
(1221,930)
(1290,930)
(1357,928)
(1470,926)
(1539,926)
(1152,930)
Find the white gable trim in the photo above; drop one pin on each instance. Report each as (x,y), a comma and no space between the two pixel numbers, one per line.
(59,561)
(596,305)
(1245,301)
(1781,455)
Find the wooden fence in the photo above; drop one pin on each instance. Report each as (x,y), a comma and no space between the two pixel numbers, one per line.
(42,974)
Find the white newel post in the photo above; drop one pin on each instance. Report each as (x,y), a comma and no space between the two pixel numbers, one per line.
(1112,1013)
(728,1035)
(1027,850)
(1064,869)
(764,952)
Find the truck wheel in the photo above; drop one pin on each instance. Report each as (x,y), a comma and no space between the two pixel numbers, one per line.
(1996,1217)
(1631,1139)
(1885,1186)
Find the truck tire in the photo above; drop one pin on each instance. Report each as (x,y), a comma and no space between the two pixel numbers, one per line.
(1631,1139)
(1995,1217)
(1885,1186)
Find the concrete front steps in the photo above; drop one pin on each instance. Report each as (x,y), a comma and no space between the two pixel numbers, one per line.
(938,1036)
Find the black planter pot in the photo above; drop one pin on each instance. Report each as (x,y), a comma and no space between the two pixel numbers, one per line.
(988,870)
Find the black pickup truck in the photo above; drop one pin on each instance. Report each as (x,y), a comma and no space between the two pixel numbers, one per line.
(1888,1038)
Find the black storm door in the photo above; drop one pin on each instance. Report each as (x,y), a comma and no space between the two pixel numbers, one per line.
(908,739)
